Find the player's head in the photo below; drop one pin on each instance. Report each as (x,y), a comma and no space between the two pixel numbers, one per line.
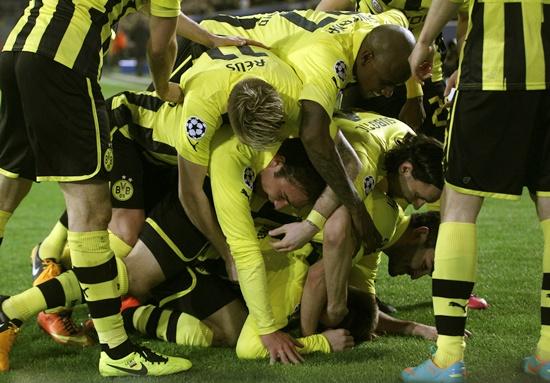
(415,170)
(256,113)
(413,252)
(382,62)
(290,178)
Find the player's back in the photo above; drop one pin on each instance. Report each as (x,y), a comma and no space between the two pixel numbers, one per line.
(371,134)
(284,31)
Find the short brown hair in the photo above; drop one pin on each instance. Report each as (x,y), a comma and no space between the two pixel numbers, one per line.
(256,113)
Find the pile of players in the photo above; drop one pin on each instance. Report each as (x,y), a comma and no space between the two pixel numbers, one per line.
(250,194)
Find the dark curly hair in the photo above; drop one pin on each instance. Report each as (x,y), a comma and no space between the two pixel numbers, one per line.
(424,153)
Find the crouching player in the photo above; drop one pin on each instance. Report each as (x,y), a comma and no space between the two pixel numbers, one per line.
(284,177)
(178,313)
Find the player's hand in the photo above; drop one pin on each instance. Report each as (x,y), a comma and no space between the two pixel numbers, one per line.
(295,235)
(430,332)
(420,61)
(282,348)
(222,41)
(339,339)
(171,93)
(412,113)
(449,92)
(426,332)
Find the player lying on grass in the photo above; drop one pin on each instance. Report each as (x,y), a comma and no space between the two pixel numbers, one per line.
(212,314)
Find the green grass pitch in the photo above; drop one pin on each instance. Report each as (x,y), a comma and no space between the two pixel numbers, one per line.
(510,247)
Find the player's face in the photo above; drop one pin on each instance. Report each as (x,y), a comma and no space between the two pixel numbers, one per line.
(414,191)
(280,191)
(416,261)
(373,81)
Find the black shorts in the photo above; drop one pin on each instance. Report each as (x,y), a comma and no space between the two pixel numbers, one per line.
(435,122)
(499,142)
(138,181)
(169,234)
(53,121)
(196,293)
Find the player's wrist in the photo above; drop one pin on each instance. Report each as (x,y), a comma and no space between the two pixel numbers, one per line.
(316,220)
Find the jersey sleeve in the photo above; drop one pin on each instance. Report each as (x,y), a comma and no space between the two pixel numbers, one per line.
(324,70)
(232,180)
(165,8)
(201,118)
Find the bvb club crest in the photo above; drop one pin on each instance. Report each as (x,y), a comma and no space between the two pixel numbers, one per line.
(196,129)
(108,159)
(123,189)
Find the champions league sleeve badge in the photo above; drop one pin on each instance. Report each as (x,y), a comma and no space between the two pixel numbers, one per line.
(340,69)
(248,177)
(196,128)
(368,184)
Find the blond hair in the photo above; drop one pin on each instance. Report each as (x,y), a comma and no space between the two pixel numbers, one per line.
(256,113)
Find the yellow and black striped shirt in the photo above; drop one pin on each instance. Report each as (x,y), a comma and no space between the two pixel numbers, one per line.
(76,33)
(507,46)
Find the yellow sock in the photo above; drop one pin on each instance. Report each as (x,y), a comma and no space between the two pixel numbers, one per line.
(95,267)
(122,277)
(24,305)
(4,218)
(452,283)
(543,345)
(171,326)
(53,244)
(119,247)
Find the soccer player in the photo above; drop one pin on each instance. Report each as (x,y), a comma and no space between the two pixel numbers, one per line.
(500,119)
(183,315)
(404,166)
(237,89)
(421,107)
(329,51)
(281,178)
(60,133)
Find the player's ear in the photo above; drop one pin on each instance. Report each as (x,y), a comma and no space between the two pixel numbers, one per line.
(406,168)
(277,160)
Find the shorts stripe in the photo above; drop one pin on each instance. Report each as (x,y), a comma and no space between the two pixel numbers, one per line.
(181,293)
(8,174)
(168,241)
(511,197)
